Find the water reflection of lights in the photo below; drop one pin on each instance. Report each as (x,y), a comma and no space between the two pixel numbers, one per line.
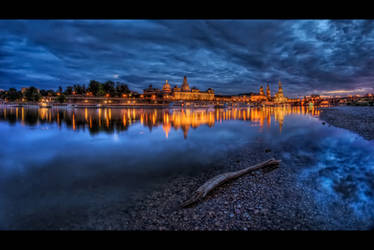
(120,119)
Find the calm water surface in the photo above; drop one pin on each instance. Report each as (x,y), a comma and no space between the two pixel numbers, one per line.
(58,161)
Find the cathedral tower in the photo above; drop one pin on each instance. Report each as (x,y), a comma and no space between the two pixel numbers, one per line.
(262,91)
(280,89)
(185,86)
(268,94)
(279,96)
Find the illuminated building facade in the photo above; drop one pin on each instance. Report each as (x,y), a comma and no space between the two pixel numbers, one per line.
(267,99)
(185,93)
(182,93)
(166,89)
(279,96)
(191,94)
(259,97)
(268,94)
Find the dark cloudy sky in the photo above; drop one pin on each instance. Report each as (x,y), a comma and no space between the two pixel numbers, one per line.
(230,56)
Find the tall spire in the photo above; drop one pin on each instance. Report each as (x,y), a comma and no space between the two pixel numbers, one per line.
(280,89)
(185,86)
(268,94)
(262,91)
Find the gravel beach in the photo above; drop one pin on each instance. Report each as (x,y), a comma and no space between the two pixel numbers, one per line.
(258,201)
(354,118)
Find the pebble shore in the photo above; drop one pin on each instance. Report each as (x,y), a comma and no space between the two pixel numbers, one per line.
(354,118)
(255,202)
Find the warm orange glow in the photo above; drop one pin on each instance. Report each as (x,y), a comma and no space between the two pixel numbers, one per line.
(343,91)
(124,120)
(106,117)
(99,117)
(179,119)
(23,114)
(74,121)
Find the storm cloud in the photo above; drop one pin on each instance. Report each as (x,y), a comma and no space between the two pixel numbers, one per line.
(230,56)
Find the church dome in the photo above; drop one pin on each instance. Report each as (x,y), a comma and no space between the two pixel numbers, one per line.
(166,86)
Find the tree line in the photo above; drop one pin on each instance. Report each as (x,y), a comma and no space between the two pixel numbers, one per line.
(95,88)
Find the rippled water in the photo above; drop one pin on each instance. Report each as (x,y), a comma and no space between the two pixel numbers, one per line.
(59,160)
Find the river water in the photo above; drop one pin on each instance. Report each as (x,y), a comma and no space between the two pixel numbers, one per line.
(57,161)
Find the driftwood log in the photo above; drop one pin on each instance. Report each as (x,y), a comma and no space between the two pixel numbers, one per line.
(218,180)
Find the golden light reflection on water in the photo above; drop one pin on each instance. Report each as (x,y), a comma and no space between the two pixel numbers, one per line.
(111,120)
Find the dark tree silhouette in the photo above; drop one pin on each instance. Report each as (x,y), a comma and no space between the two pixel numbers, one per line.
(32,94)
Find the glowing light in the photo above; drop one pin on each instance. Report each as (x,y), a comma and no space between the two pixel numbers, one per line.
(23,115)
(342,91)
(74,122)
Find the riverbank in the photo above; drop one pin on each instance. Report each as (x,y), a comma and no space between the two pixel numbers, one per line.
(258,201)
(354,118)
(274,200)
